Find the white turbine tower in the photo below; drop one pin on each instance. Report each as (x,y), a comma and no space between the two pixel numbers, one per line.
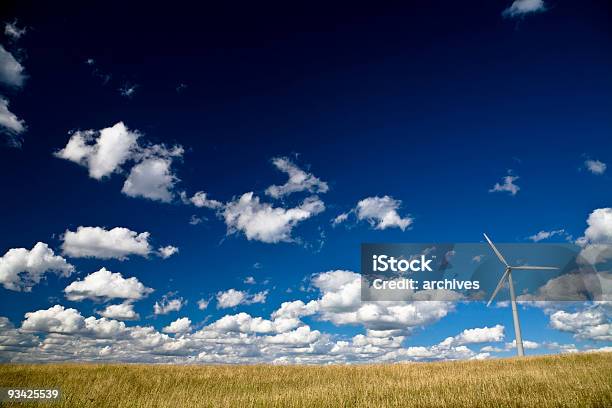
(508,274)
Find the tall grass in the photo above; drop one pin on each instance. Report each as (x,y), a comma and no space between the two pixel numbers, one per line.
(581,380)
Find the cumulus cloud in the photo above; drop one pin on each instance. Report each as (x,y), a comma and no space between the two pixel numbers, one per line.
(599,228)
(10,124)
(105,285)
(381,213)
(299,337)
(507,185)
(595,166)
(59,320)
(233,298)
(542,235)
(60,334)
(102,152)
(527,344)
(56,319)
(592,323)
(167,251)
(20,268)
(299,180)
(178,326)
(265,223)
(241,338)
(122,311)
(98,242)
(152,178)
(107,151)
(341,304)
(580,286)
(597,239)
(11,71)
(167,304)
(477,335)
(249,280)
(520,8)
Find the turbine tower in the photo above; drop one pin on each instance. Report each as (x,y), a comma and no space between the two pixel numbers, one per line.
(508,274)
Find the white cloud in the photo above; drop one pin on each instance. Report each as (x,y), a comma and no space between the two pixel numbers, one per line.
(230,298)
(381,213)
(56,319)
(12,31)
(167,305)
(122,311)
(507,185)
(477,335)
(242,323)
(288,315)
(301,336)
(102,152)
(595,166)
(341,304)
(11,71)
(299,180)
(167,251)
(249,280)
(233,298)
(152,178)
(20,268)
(520,8)
(579,286)
(590,324)
(597,238)
(97,242)
(61,334)
(59,320)
(245,339)
(265,223)
(201,200)
(106,285)
(528,345)
(340,218)
(178,326)
(259,297)
(9,122)
(599,228)
(203,304)
(542,235)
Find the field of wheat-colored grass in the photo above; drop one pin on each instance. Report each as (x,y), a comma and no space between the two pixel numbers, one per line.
(580,380)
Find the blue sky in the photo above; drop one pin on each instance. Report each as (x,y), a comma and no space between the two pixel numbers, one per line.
(421,109)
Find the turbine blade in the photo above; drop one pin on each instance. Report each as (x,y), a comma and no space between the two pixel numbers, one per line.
(499,255)
(547,268)
(499,285)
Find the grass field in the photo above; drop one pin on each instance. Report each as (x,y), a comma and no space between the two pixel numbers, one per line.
(580,380)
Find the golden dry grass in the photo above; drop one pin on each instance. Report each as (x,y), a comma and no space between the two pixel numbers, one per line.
(581,380)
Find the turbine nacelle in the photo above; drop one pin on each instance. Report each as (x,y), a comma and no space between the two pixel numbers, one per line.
(510,268)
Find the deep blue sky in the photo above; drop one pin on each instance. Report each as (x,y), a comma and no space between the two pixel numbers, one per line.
(428,102)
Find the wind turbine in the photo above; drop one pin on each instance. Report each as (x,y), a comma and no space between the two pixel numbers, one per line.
(508,274)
